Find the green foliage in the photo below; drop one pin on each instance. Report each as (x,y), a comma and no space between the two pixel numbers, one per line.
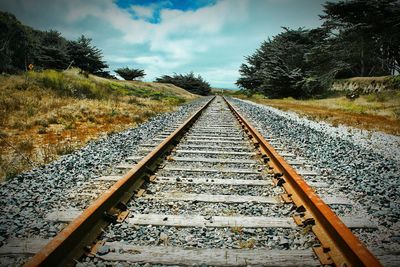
(17,44)
(394,82)
(130,74)
(280,67)
(85,56)
(189,82)
(64,85)
(358,38)
(52,51)
(369,34)
(21,46)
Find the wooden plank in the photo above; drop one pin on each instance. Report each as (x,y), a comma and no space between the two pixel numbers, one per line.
(197,180)
(171,255)
(318,184)
(177,256)
(187,220)
(26,246)
(286,155)
(135,158)
(219,170)
(149,144)
(216,141)
(223,127)
(334,200)
(208,221)
(125,166)
(214,147)
(163,179)
(214,160)
(215,137)
(62,215)
(235,131)
(350,221)
(221,134)
(358,222)
(180,196)
(109,178)
(158,139)
(295,162)
(387,258)
(307,173)
(215,152)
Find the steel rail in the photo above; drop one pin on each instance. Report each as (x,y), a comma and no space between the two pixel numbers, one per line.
(339,245)
(74,240)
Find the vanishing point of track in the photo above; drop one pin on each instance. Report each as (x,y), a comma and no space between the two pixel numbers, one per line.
(221,143)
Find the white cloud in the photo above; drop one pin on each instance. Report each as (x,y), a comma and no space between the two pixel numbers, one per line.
(221,76)
(157,62)
(143,12)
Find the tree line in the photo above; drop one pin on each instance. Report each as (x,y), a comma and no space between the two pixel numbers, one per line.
(357,38)
(22,46)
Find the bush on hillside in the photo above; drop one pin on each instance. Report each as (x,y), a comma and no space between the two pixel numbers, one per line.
(189,82)
(130,74)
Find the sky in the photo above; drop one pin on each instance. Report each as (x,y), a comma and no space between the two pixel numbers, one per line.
(208,37)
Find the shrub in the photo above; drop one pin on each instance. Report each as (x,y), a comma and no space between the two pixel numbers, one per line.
(130,74)
(195,85)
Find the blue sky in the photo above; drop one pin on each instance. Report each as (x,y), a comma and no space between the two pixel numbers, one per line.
(208,37)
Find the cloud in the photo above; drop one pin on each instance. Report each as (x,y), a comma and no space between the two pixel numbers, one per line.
(142,12)
(157,62)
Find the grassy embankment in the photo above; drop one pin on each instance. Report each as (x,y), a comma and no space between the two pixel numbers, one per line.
(47,114)
(374,111)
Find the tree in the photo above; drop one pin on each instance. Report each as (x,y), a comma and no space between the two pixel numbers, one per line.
(21,45)
(189,82)
(279,68)
(130,74)
(369,30)
(18,46)
(53,51)
(85,56)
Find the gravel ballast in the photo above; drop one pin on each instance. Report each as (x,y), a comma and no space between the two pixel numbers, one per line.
(352,169)
(26,198)
(364,166)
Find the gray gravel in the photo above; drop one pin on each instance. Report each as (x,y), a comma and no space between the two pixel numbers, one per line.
(250,190)
(362,165)
(25,199)
(211,209)
(212,237)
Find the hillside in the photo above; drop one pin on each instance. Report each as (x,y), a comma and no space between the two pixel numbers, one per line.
(47,114)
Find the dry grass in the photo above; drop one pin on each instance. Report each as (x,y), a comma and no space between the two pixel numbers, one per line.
(39,122)
(375,112)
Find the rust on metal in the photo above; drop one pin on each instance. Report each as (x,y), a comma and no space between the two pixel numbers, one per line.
(122,216)
(140,192)
(286,198)
(93,250)
(72,241)
(340,245)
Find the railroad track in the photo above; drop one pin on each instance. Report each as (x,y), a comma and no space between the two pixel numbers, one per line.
(211,191)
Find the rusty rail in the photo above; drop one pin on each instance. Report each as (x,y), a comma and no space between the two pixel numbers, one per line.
(72,242)
(339,245)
